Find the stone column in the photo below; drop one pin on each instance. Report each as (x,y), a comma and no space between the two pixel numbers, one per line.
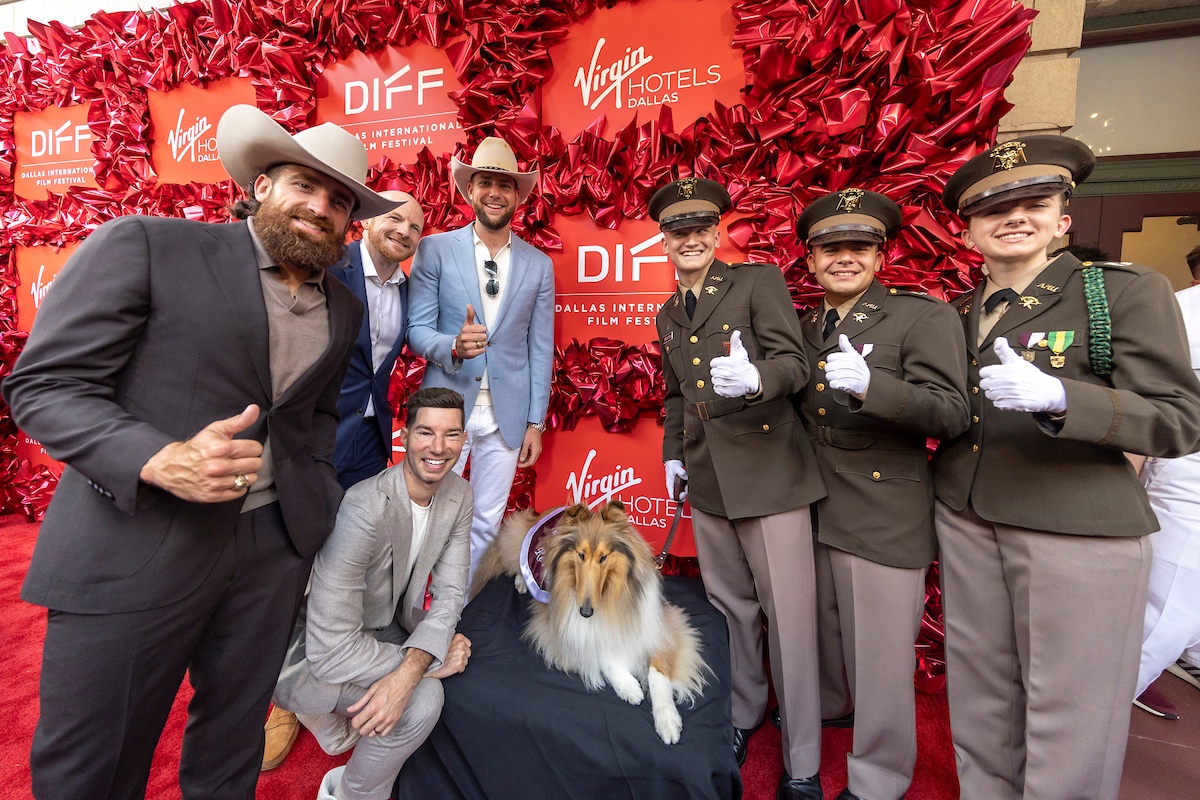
(1043,87)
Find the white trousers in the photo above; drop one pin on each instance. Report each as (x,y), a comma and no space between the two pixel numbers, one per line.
(493,467)
(1172,623)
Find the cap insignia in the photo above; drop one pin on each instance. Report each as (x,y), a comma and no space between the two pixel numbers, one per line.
(687,187)
(1007,155)
(849,199)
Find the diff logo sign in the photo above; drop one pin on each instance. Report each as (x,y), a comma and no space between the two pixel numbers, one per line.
(591,466)
(612,283)
(183,125)
(630,60)
(54,151)
(397,101)
(37,267)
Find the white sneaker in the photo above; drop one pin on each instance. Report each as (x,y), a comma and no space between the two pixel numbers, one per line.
(330,782)
(1186,672)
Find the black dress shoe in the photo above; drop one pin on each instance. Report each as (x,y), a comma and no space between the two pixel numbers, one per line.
(839,722)
(799,788)
(741,738)
(848,795)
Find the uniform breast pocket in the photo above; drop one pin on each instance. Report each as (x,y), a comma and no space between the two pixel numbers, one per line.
(884,356)
(876,465)
(720,327)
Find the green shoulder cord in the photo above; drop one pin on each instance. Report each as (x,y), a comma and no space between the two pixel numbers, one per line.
(1099,322)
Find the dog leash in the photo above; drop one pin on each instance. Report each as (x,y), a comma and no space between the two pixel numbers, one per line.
(680,483)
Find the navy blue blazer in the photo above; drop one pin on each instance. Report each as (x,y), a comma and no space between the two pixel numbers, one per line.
(362,382)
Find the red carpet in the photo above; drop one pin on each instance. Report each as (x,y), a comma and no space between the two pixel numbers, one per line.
(22,627)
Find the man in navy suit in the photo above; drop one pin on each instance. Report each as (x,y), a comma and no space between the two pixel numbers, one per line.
(372,271)
(482,315)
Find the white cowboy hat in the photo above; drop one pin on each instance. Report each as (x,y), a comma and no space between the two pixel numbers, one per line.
(492,155)
(249,143)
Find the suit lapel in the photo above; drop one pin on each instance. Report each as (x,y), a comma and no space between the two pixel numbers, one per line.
(968,312)
(518,273)
(1040,296)
(232,260)
(865,314)
(676,311)
(711,292)
(356,282)
(397,521)
(464,260)
(441,520)
(811,326)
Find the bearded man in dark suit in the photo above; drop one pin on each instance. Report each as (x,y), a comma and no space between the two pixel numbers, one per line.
(188,374)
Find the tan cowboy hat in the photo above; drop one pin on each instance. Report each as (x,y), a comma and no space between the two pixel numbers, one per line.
(493,155)
(249,143)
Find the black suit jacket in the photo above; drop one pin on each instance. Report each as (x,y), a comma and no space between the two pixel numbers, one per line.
(362,381)
(154,329)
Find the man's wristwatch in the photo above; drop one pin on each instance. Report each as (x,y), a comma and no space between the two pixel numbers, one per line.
(540,426)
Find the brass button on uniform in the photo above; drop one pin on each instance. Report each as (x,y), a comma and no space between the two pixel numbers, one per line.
(724,327)
(974,390)
(699,384)
(876,475)
(694,340)
(820,387)
(974,362)
(975,418)
(891,291)
(820,412)
(820,365)
(696,362)
(974,448)
(766,427)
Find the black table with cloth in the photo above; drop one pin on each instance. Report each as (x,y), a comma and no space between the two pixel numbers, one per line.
(514,728)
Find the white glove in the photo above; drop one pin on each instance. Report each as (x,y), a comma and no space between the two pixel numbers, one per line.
(733,375)
(1017,385)
(675,470)
(847,370)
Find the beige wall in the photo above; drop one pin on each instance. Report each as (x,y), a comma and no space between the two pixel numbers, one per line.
(1162,244)
(1043,87)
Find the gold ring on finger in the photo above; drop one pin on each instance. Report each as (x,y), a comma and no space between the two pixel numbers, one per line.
(241,482)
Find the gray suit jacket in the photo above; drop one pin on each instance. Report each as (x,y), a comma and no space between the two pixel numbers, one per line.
(359,618)
(520,352)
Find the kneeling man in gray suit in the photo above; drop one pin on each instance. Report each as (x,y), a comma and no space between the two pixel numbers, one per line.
(377,632)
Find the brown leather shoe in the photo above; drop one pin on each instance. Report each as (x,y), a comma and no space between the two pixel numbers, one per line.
(281,731)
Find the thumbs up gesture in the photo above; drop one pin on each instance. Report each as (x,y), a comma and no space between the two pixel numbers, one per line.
(846,370)
(1017,385)
(472,339)
(733,375)
(210,467)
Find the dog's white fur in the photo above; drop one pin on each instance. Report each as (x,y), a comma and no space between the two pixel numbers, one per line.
(606,620)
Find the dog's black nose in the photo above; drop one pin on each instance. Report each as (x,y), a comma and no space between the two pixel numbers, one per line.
(585,610)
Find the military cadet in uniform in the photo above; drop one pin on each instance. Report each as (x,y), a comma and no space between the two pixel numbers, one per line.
(1041,520)
(732,354)
(887,376)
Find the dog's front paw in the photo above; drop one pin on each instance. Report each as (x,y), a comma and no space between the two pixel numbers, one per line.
(519,583)
(627,688)
(668,723)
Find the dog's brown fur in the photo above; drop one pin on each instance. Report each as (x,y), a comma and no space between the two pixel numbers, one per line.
(606,619)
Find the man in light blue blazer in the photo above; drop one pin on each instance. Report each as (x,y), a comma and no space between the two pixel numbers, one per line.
(482,314)
(372,271)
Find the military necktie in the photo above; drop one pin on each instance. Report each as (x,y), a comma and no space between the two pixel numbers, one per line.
(831,321)
(998,297)
(689,303)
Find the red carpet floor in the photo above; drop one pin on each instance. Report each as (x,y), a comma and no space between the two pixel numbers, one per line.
(22,628)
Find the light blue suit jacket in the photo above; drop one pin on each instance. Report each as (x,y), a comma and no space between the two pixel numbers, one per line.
(520,351)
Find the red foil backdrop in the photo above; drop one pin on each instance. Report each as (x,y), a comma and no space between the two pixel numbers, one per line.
(887,95)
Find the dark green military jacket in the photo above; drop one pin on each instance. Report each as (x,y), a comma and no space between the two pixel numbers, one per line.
(1029,471)
(873,452)
(745,458)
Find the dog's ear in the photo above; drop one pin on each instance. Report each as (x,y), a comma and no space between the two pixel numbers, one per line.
(576,514)
(614,512)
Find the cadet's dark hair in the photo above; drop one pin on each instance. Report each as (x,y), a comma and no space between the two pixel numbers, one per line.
(248,206)
(433,397)
(1193,262)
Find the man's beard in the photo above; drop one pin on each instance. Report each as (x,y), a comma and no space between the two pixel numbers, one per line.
(481,214)
(287,245)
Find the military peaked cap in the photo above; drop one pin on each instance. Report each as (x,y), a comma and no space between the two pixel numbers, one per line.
(1035,166)
(689,203)
(851,215)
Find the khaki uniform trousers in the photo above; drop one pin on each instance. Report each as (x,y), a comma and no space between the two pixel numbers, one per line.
(1043,637)
(763,566)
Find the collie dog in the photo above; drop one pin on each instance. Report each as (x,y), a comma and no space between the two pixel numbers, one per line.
(606,619)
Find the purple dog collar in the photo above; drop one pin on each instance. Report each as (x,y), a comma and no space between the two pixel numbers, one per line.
(532,552)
